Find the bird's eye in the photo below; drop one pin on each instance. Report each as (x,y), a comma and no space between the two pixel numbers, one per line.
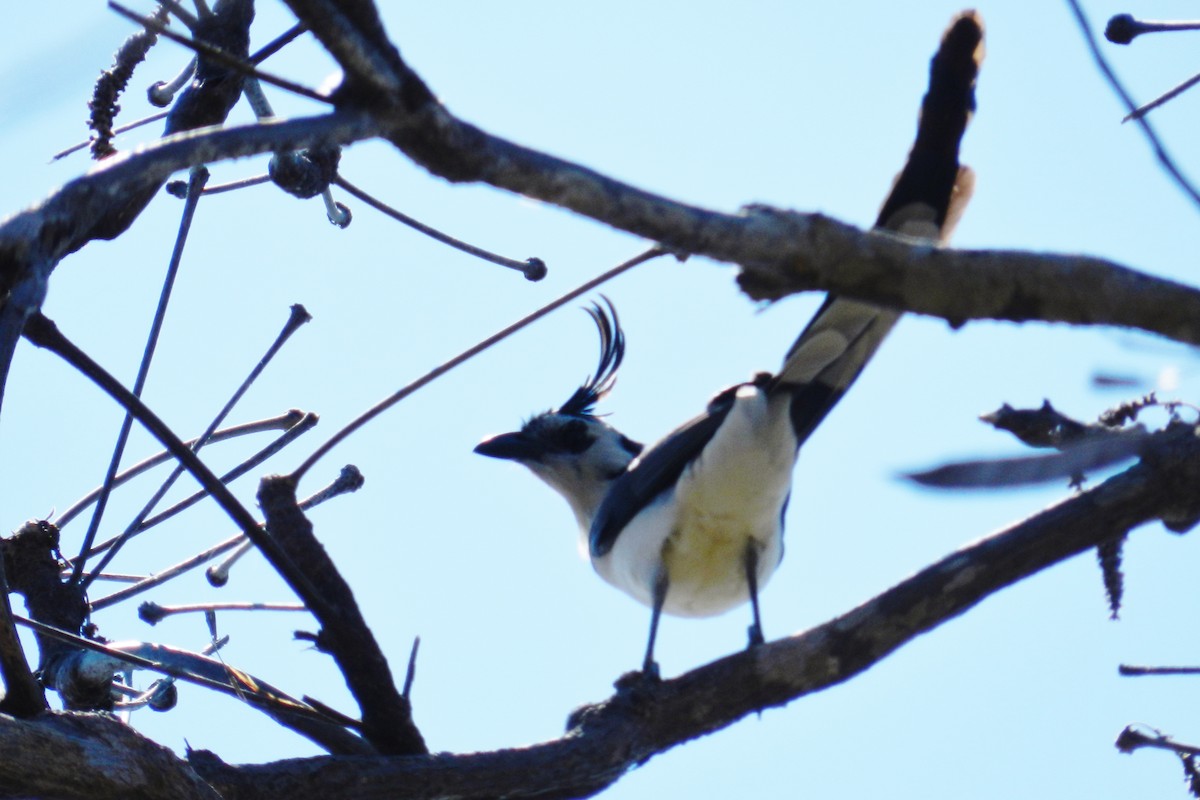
(575,437)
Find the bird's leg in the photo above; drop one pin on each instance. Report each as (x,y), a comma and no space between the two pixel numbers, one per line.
(659,596)
(750,561)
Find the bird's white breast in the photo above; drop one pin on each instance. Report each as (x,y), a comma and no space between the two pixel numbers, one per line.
(698,531)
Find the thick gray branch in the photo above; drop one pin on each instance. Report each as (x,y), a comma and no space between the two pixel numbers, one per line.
(780,252)
(68,219)
(960,285)
(78,755)
(783,252)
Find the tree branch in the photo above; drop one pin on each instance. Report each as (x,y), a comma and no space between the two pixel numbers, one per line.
(32,245)
(386,714)
(960,285)
(74,755)
(783,252)
(70,217)
(643,719)
(44,333)
(23,696)
(780,252)
(101,204)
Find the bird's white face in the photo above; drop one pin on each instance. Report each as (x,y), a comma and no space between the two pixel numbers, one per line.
(577,456)
(569,448)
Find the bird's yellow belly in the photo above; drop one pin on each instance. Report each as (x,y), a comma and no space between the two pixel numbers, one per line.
(706,568)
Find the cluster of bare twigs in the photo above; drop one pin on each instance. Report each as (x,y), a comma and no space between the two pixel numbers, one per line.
(217,76)
(74,659)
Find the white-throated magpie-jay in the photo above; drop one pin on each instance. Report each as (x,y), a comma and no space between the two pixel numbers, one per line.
(693,525)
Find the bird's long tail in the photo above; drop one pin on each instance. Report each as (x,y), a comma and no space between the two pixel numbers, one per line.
(926,201)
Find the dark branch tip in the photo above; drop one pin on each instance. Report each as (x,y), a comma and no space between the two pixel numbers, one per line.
(151,612)
(350,479)
(159,94)
(299,316)
(1122,29)
(535,269)
(343,218)
(165,697)
(305,173)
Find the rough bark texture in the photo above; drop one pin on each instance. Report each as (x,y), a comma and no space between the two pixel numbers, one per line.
(73,754)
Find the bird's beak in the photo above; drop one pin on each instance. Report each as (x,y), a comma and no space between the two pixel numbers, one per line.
(514,446)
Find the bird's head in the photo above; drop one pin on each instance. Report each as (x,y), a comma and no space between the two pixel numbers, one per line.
(570,448)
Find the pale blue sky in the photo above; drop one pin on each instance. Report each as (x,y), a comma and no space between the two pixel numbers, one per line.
(803,105)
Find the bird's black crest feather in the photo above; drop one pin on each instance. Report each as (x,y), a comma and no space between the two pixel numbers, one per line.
(612,351)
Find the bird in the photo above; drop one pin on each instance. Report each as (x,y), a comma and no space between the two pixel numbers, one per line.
(692,525)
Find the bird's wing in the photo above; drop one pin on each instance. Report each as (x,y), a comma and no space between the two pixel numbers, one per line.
(655,471)
(828,357)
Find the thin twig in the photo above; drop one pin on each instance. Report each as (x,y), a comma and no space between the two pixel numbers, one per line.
(1129,669)
(259,104)
(297,317)
(281,422)
(278,43)
(348,480)
(467,355)
(410,674)
(243,690)
(75,148)
(42,332)
(155,613)
(306,423)
(243,183)
(1160,151)
(196,183)
(218,55)
(119,577)
(1170,94)
(159,578)
(174,571)
(534,269)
